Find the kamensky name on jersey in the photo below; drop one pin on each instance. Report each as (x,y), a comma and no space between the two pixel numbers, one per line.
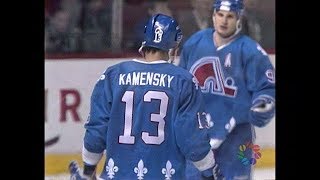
(145,78)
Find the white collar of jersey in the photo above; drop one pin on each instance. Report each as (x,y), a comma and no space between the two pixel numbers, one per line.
(229,40)
(152,62)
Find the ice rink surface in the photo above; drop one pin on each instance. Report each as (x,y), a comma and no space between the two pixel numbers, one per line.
(259,174)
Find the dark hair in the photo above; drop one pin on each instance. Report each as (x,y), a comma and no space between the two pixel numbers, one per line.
(152,50)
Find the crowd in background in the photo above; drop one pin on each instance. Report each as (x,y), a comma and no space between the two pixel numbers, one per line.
(86,26)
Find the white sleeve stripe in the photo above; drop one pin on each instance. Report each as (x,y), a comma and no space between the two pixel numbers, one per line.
(89,157)
(215,143)
(263,97)
(206,163)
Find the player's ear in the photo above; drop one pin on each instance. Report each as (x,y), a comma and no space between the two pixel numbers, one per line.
(213,15)
(239,23)
(213,20)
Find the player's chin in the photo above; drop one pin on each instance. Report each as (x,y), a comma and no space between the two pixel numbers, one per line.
(225,34)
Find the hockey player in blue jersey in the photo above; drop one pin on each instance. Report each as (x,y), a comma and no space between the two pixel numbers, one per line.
(238,82)
(148,115)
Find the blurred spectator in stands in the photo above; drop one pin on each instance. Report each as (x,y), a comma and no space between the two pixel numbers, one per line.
(133,11)
(259,22)
(266,17)
(195,18)
(250,22)
(158,6)
(96,25)
(133,36)
(59,35)
(74,7)
(51,6)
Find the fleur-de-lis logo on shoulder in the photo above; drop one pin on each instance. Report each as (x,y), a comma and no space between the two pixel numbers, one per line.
(230,125)
(102,77)
(168,171)
(140,170)
(111,168)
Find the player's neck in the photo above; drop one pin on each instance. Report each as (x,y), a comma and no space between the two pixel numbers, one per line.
(149,57)
(221,41)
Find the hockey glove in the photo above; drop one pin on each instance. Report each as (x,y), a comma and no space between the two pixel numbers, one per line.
(262,111)
(75,172)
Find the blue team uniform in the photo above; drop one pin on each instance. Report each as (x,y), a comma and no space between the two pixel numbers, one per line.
(230,77)
(146,116)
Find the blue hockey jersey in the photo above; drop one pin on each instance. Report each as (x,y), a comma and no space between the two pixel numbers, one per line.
(231,77)
(149,118)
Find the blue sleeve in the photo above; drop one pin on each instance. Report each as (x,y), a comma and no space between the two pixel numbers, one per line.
(97,123)
(191,133)
(261,82)
(260,76)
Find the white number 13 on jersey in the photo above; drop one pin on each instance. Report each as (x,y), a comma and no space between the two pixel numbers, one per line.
(128,97)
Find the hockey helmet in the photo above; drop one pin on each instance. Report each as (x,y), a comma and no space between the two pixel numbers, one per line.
(229,5)
(162,32)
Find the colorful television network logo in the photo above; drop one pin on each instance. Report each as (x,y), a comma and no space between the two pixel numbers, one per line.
(256,154)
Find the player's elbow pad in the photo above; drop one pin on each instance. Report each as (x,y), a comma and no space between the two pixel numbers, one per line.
(261,112)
